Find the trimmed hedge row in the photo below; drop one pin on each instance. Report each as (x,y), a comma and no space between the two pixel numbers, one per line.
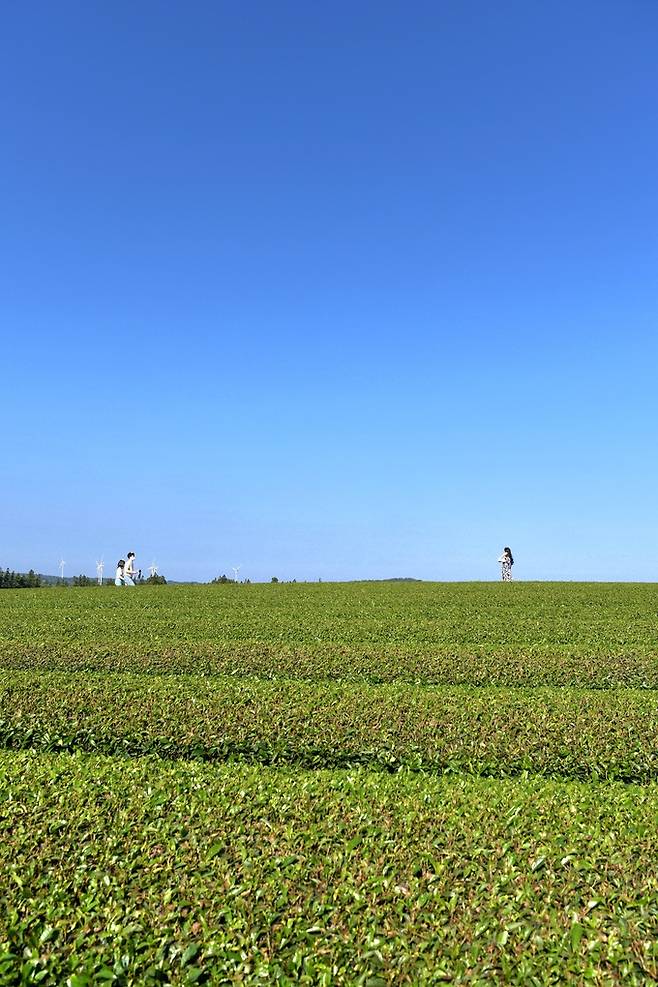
(142,872)
(338,662)
(589,635)
(566,733)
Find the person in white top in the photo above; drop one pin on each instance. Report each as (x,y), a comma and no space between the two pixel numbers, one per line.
(130,572)
(119,579)
(506,562)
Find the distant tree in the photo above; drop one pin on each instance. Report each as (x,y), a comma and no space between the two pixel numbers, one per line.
(222,579)
(19,580)
(155,580)
(83,580)
(274,579)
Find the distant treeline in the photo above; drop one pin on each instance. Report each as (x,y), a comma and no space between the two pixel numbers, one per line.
(225,579)
(33,580)
(19,580)
(154,580)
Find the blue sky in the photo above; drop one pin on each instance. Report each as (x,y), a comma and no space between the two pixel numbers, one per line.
(330,290)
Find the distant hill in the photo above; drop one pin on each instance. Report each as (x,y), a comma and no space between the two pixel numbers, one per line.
(390,579)
(68,580)
(53,580)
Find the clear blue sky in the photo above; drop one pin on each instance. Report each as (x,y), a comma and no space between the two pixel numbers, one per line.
(330,290)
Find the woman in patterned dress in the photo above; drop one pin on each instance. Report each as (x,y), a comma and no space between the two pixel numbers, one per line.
(506,562)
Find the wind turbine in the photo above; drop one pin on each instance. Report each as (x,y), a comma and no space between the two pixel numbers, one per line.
(236,569)
(153,569)
(100,565)
(62,563)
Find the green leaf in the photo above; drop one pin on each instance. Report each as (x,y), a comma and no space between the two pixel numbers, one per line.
(190,953)
(577,931)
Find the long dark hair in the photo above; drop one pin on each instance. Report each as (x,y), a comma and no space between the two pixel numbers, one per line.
(508,551)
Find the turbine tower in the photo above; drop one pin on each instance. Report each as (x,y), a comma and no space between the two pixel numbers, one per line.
(236,569)
(153,569)
(62,563)
(100,565)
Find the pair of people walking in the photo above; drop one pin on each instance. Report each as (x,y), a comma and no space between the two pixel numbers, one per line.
(506,562)
(126,573)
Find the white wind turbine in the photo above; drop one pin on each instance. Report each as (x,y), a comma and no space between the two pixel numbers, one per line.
(236,569)
(153,569)
(100,565)
(62,563)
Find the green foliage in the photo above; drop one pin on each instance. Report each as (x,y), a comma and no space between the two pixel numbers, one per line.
(19,580)
(591,635)
(82,580)
(155,579)
(141,872)
(437,837)
(566,733)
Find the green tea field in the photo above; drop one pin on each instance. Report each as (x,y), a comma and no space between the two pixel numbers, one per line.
(368,783)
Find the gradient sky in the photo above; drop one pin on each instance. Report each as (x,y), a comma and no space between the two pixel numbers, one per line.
(346,290)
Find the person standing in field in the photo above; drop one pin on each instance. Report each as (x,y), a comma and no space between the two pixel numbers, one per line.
(130,569)
(120,579)
(506,562)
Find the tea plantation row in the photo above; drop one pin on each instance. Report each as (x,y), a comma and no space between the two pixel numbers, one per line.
(464,820)
(590,635)
(142,872)
(569,733)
